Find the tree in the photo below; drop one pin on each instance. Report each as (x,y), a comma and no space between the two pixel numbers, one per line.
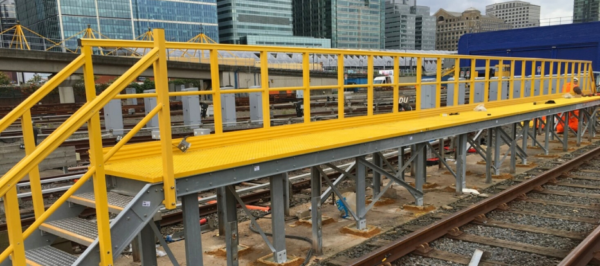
(4,79)
(36,79)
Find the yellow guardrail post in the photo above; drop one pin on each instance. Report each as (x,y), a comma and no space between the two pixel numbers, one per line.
(34,175)
(396,88)
(532,78)
(511,85)
(306,85)
(341,81)
(552,79)
(486,91)
(264,80)
(473,76)
(456,82)
(499,82)
(558,77)
(419,79)
(161,80)
(216,88)
(438,83)
(370,87)
(523,72)
(13,224)
(542,77)
(97,160)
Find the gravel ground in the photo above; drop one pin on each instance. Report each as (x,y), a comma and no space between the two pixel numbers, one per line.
(413,260)
(521,236)
(554,209)
(573,189)
(582,182)
(504,255)
(585,174)
(541,222)
(566,199)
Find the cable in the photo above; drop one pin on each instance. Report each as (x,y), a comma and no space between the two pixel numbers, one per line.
(306,239)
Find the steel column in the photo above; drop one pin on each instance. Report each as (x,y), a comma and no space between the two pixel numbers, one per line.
(315,211)
(580,119)
(566,129)
(549,126)
(497,144)
(231,226)
(461,164)
(377,160)
(488,156)
(401,163)
(147,244)
(221,209)
(278,217)
(287,194)
(513,150)
(420,170)
(525,137)
(192,231)
(361,223)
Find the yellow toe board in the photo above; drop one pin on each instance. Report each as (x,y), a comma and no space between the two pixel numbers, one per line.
(195,162)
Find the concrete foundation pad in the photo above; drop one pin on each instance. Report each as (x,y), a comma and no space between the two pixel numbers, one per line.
(222,252)
(533,148)
(367,233)
(425,186)
(268,261)
(418,209)
(325,220)
(382,202)
(547,156)
(560,149)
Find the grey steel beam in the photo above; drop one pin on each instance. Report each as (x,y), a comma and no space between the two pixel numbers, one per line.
(191,230)
(525,133)
(163,243)
(361,186)
(220,209)
(377,160)
(417,194)
(147,244)
(420,168)
(497,144)
(488,155)
(461,164)
(401,171)
(513,150)
(343,175)
(230,221)
(315,211)
(278,218)
(212,180)
(547,129)
(287,194)
(580,129)
(566,132)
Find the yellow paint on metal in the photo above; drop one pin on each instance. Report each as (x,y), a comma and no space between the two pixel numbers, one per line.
(161,80)
(216,88)
(264,82)
(340,89)
(370,88)
(473,76)
(218,156)
(34,174)
(396,93)
(13,225)
(438,83)
(456,82)
(306,86)
(511,89)
(486,91)
(523,67)
(418,89)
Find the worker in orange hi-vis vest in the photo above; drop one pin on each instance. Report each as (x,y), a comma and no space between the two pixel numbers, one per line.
(575,91)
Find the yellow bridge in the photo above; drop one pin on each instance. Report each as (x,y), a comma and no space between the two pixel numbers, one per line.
(157,172)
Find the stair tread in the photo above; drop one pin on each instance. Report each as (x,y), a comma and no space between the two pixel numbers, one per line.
(50,256)
(75,229)
(114,199)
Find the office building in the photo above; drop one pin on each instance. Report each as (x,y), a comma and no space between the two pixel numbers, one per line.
(285,41)
(586,11)
(518,13)
(119,19)
(452,25)
(352,24)
(408,26)
(8,19)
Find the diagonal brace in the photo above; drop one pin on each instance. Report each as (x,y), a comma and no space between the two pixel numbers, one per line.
(378,169)
(163,243)
(337,192)
(251,216)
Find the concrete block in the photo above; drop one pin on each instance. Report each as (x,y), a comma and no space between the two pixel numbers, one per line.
(201,131)
(66,94)
(131,101)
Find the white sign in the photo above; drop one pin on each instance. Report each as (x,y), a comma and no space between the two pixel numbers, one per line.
(145,203)
(256,168)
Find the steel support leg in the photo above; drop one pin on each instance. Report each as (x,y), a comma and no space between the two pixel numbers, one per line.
(191,227)
(525,137)
(580,127)
(148,245)
(413,165)
(424,165)
(221,210)
(278,217)
(566,133)
(361,223)
(461,164)
(497,144)
(401,162)
(536,125)
(442,152)
(552,118)
(488,156)
(513,150)
(547,133)
(231,226)
(287,194)
(315,211)
(420,170)
(377,176)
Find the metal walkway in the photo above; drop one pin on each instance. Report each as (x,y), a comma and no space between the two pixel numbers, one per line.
(134,181)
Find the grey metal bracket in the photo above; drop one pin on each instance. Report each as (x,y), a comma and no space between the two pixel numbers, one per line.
(343,175)
(480,150)
(416,193)
(442,161)
(337,192)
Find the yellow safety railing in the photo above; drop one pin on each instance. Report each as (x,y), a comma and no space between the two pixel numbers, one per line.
(157,57)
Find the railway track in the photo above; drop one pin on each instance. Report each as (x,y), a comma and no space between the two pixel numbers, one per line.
(548,219)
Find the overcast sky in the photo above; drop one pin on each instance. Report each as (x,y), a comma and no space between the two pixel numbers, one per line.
(550,8)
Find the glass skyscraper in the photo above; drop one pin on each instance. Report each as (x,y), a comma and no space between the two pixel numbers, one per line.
(409,27)
(356,24)
(119,19)
(8,19)
(239,18)
(586,11)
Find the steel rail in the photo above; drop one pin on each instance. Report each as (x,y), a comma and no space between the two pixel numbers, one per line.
(411,242)
(585,251)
